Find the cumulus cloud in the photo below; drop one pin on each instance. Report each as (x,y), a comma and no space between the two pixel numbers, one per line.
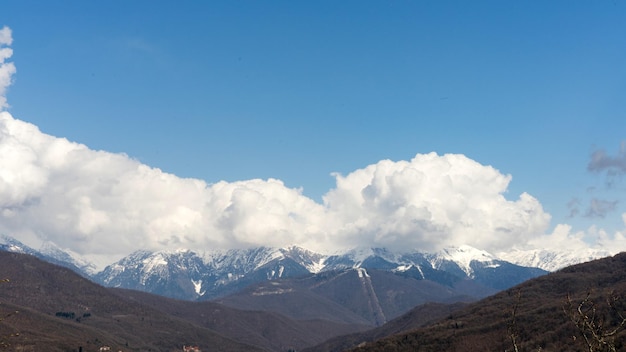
(430,202)
(7,69)
(100,203)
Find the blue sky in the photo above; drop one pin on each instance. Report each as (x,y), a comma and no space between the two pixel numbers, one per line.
(298,90)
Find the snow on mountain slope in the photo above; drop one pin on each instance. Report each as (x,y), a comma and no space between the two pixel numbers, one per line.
(240,260)
(313,262)
(461,256)
(552,260)
(177,273)
(50,253)
(10,244)
(66,256)
(189,275)
(186,274)
(379,258)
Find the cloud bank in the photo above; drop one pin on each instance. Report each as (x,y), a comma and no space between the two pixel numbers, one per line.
(100,203)
(106,205)
(433,201)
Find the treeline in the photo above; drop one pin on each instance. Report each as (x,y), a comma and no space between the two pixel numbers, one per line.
(71,315)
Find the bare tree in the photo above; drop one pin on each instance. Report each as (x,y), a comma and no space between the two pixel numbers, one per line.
(598,327)
(512,326)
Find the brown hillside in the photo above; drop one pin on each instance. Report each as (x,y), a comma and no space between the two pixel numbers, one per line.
(265,329)
(61,311)
(540,320)
(417,317)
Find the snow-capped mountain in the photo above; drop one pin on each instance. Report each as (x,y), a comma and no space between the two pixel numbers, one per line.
(461,257)
(10,244)
(186,274)
(553,260)
(175,274)
(50,253)
(50,250)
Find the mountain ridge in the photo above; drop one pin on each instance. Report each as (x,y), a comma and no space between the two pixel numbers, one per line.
(549,260)
(207,275)
(191,275)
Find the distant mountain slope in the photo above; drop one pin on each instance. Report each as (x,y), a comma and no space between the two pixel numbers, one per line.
(49,253)
(351,296)
(540,320)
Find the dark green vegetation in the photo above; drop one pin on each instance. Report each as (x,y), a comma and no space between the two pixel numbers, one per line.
(536,315)
(61,311)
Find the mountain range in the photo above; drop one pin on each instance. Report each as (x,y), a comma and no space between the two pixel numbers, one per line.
(363,286)
(47,307)
(366,286)
(190,275)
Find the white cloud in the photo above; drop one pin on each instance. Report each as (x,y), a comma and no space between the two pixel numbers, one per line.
(106,205)
(99,202)
(7,69)
(433,201)
(5,36)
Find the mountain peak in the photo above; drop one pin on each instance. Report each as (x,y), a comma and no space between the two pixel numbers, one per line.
(463,256)
(466,252)
(67,256)
(313,262)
